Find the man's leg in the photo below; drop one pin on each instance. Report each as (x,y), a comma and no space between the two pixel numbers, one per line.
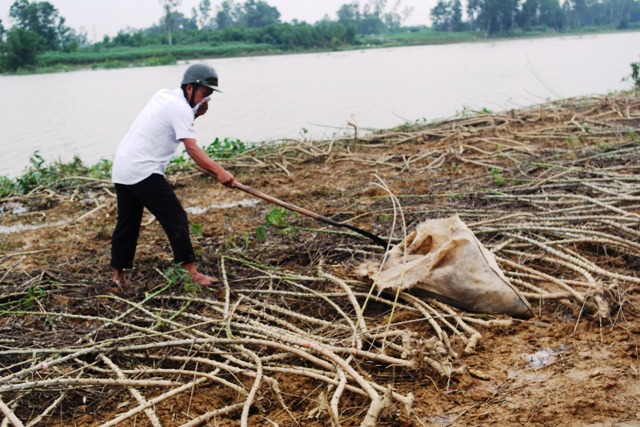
(125,235)
(158,197)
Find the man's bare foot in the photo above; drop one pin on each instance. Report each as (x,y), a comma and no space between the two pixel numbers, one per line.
(204,280)
(118,277)
(199,278)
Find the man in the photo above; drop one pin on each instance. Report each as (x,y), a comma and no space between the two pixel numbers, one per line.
(140,163)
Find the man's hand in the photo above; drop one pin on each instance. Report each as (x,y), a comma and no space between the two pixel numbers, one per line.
(207,165)
(226,178)
(202,110)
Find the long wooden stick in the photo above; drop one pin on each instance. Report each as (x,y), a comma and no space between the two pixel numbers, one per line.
(377,239)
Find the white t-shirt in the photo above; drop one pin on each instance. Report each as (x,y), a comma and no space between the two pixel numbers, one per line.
(153,137)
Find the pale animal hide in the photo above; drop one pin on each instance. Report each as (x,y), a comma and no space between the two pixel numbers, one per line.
(445,259)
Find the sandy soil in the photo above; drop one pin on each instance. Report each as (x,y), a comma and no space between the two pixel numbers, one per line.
(567,365)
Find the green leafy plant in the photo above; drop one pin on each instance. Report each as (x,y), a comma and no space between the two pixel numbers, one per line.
(383,218)
(179,162)
(635,74)
(6,186)
(196,230)
(101,170)
(32,295)
(225,148)
(245,239)
(218,149)
(191,287)
(276,218)
(57,175)
(496,174)
(177,274)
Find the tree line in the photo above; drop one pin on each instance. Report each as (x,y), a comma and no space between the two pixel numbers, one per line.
(495,17)
(256,21)
(38,27)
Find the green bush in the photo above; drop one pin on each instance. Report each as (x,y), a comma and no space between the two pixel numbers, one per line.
(635,74)
(160,60)
(57,175)
(223,149)
(218,149)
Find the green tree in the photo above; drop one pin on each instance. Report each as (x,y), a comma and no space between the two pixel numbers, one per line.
(440,16)
(204,17)
(373,18)
(2,31)
(129,37)
(372,21)
(169,7)
(634,15)
(492,16)
(612,12)
(41,18)
(542,13)
(348,13)
(397,15)
(551,15)
(22,49)
(577,12)
(251,14)
(258,14)
(69,40)
(456,17)
(527,17)
(228,14)
(447,16)
(621,12)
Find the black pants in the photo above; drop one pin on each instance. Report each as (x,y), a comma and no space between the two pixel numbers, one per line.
(155,194)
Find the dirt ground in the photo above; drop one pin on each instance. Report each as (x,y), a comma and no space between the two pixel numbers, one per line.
(574,363)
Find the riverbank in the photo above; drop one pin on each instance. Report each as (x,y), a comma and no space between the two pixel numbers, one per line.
(97,57)
(294,335)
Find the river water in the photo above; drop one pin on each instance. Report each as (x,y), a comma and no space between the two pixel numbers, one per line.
(86,113)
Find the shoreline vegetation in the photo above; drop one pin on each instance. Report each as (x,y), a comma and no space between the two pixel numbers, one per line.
(98,57)
(55,175)
(39,41)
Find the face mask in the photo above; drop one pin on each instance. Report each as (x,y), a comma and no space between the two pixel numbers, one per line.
(195,107)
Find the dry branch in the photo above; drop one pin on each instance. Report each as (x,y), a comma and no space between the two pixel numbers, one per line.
(552,190)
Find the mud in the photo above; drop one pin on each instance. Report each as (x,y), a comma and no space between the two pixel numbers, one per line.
(531,184)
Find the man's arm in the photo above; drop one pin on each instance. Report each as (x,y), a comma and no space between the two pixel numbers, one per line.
(204,161)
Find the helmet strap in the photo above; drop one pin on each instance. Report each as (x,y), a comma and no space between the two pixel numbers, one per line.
(194,88)
(191,99)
